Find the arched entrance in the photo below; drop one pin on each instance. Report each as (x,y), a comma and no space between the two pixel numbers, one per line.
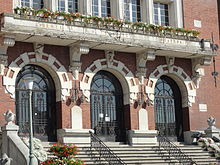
(43,103)
(168,109)
(107,114)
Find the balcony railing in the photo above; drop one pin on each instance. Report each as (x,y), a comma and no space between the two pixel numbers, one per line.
(108,23)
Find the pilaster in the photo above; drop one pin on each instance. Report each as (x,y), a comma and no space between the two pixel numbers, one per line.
(147,13)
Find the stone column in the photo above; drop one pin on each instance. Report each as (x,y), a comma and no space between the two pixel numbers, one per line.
(147,13)
(120,9)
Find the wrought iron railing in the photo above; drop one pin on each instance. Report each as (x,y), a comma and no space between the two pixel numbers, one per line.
(174,152)
(104,151)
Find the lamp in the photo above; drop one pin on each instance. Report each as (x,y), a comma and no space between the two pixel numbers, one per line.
(29,82)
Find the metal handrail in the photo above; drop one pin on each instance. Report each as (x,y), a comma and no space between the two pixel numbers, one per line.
(174,152)
(104,151)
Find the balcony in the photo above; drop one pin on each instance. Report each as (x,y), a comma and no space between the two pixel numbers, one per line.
(117,36)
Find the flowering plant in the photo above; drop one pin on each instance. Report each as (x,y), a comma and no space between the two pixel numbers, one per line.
(55,161)
(105,21)
(63,151)
(64,155)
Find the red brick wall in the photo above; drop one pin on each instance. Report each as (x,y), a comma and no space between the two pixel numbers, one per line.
(6,6)
(6,103)
(62,55)
(205,11)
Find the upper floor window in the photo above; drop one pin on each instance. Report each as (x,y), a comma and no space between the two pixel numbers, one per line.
(132,10)
(36,4)
(101,8)
(68,5)
(161,14)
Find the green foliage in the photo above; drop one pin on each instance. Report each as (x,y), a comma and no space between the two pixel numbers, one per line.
(64,155)
(108,22)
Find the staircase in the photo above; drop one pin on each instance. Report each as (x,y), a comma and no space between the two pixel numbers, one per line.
(148,154)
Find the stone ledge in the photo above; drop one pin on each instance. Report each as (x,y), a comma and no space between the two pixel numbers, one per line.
(65,34)
(142,137)
(74,136)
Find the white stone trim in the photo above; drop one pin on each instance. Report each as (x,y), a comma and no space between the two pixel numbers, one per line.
(130,89)
(185,83)
(48,62)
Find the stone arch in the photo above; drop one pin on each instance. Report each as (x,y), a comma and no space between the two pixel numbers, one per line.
(124,75)
(57,71)
(184,82)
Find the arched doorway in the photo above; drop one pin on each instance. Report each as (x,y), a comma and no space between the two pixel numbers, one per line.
(107,115)
(43,103)
(168,109)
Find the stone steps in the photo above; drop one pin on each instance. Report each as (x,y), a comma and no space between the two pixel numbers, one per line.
(134,155)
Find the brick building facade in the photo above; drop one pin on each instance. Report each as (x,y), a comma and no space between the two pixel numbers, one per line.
(118,81)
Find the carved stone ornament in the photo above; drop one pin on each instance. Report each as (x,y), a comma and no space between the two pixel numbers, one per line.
(211,121)
(38,148)
(76,51)
(5,42)
(9,117)
(198,71)
(38,48)
(109,55)
(170,63)
(141,59)
(5,160)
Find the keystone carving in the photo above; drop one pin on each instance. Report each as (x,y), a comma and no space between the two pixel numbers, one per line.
(170,63)
(109,55)
(38,48)
(76,51)
(198,71)
(141,60)
(5,42)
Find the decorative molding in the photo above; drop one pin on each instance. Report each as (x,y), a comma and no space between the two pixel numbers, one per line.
(109,55)
(170,62)
(130,88)
(76,51)
(5,42)
(38,148)
(141,59)
(197,70)
(38,49)
(185,83)
(50,61)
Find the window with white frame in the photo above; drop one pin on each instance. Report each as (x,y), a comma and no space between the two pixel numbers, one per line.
(68,5)
(132,10)
(161,14)
(36,4)
(101,8)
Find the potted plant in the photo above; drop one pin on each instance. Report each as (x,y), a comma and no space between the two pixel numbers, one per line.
(60,15)
(17,10)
